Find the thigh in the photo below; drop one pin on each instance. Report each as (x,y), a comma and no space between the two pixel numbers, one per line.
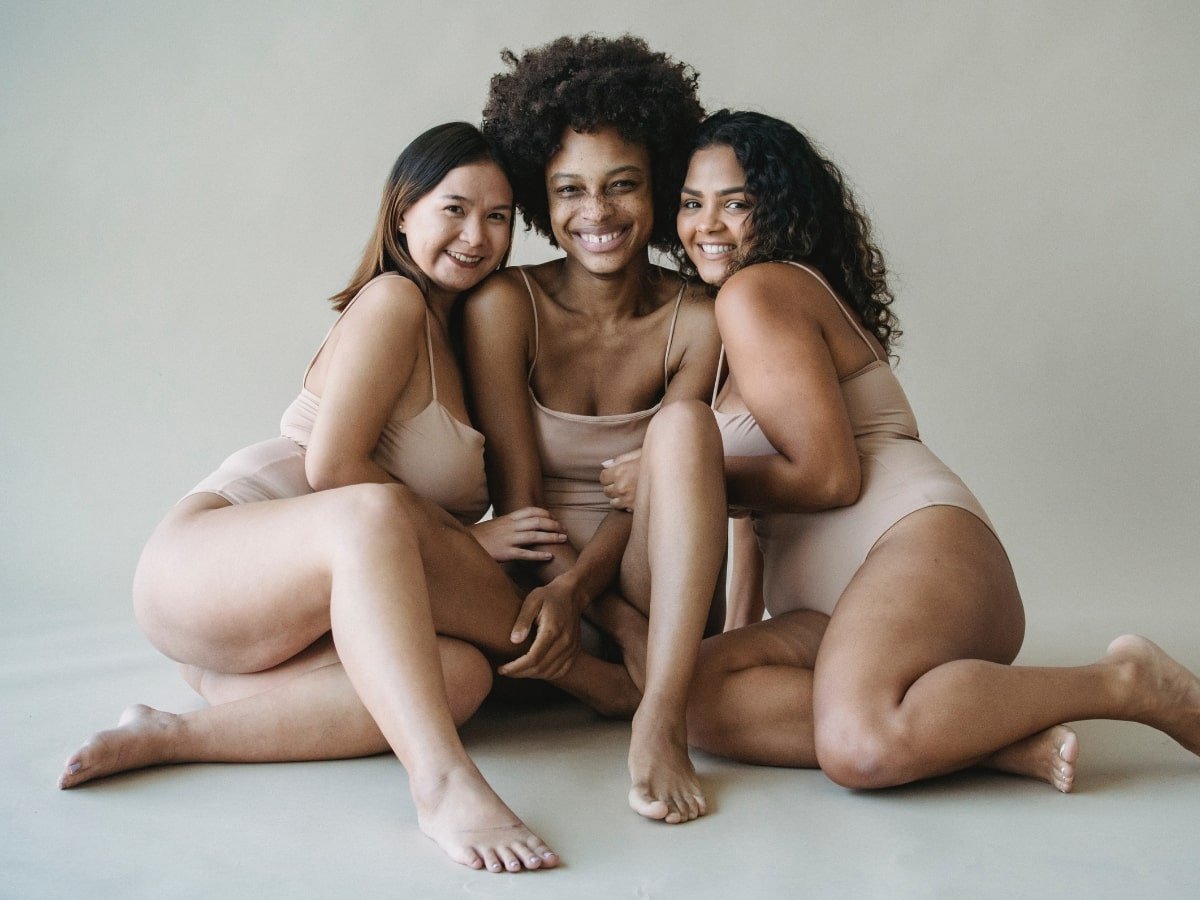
(239,588)
(937,587)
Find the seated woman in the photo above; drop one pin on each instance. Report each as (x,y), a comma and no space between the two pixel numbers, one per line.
(590,361)
(894,611)
(338,532)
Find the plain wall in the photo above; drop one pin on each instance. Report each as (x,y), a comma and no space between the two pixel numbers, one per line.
(185,184)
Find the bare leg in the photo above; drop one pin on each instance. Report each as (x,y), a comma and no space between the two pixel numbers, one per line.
(303,715)
(670,572)
(912,678)
(241,589)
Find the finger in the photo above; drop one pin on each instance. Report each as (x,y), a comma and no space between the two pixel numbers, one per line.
(528,665)
(611,491)
(515,553)
(525,538)
(540,524)
(529,610)
(623,458)
(606,473)
(528,512)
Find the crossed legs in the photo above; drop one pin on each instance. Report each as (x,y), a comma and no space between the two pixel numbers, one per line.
(242,589)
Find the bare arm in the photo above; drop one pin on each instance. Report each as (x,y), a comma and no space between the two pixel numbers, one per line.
(368,370)
(785,374)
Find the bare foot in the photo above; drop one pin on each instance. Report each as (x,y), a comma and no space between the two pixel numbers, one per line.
(1049,756)
(1165,695)
(143,737)
(665,785)
(464,817)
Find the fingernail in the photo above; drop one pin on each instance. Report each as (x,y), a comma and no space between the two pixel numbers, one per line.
(606,463)
(516,637)
(74,767)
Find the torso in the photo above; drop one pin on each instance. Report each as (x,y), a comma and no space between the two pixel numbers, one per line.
(431,450)
(809,558)
(572,444)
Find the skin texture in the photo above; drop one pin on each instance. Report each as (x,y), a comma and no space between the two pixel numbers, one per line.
(603,316)
(911,676)
(252,597)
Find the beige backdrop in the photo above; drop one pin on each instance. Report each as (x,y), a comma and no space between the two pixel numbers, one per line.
(184,184)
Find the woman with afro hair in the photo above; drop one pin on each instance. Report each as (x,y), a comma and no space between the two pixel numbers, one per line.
(590,375)
(895,615)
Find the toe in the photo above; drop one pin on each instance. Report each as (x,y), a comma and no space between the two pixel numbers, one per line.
(548,857)
(490,859)
(509,859)
(645,805)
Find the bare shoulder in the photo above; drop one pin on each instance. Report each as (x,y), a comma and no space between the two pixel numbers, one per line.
(770,290)
(389,305)
(500,295)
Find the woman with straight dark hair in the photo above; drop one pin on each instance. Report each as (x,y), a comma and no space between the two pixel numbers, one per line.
(331,534)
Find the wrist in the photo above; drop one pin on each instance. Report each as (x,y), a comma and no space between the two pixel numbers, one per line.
(572,588)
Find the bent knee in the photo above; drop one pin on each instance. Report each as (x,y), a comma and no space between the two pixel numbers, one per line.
(366,511)
(683,426)
(861,751)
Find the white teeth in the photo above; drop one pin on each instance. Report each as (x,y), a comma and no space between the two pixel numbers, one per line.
(463,258)
(718,248)
(599,238)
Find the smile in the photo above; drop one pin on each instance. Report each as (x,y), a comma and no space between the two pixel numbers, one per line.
(717,249)
(601,240)
(463,258)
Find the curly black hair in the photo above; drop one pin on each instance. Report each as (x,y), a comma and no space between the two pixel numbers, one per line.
(803,211)
(586,83)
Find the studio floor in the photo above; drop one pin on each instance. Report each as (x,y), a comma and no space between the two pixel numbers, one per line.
(347,828)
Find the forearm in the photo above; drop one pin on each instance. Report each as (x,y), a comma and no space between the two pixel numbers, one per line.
(347,472)
(594,568)
(772,483)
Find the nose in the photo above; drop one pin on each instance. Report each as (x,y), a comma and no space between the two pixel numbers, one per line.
(472,231)
(708,220)
(596,207)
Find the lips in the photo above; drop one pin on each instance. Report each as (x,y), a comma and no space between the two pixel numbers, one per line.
(464,259)
(717,249)
(602,241)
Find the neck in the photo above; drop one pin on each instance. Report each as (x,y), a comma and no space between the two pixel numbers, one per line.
(617,295)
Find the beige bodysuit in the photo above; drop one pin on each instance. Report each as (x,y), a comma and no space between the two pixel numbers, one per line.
(432,452)
(809,558)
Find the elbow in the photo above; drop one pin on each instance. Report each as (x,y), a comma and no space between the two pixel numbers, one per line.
(833,487)
(327,472)
(842,485)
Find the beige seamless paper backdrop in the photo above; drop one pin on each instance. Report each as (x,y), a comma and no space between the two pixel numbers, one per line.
(184,183)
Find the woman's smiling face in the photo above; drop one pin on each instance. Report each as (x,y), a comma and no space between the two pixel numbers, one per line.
(601,208)
(714,212)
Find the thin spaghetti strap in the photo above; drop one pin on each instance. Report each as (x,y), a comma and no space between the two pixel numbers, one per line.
(850,317)
(429,350)
(717,381)
(537,339)
(671,337)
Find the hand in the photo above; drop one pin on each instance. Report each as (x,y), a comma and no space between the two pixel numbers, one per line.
(620,477)
(554,610)
(508,537)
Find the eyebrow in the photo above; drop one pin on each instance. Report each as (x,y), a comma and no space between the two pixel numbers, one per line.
(609,174)
(724,192)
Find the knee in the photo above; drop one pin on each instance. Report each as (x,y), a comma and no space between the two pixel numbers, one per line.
(366,513)
(861,750)
(684,426)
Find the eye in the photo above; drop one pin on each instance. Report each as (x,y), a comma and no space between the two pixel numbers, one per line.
(624,184)
(689,204)
(567,190)
(738,205)
(454,209)
(498,216)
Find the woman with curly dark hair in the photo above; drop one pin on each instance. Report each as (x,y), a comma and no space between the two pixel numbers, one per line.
(590,377)
(895,616)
